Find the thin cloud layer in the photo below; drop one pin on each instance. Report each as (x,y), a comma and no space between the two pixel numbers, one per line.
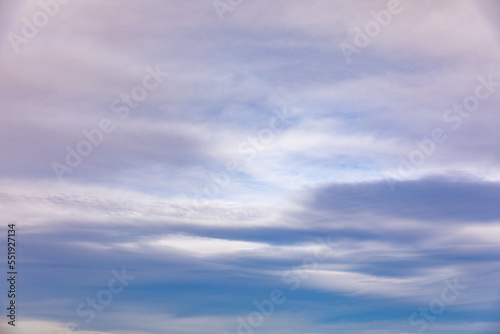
(217,152)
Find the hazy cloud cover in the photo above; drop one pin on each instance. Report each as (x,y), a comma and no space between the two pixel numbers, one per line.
(216,151)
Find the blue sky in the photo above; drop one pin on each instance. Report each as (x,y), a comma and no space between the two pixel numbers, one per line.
(173,166)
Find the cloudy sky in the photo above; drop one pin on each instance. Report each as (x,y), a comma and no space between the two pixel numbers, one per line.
(238,166)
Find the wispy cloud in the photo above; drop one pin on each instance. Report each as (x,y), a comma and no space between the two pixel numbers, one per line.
(260,140)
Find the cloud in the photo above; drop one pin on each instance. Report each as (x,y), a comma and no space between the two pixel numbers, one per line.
(205,240)
(428,200)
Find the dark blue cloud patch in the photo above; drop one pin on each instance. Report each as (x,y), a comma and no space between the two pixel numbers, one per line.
(436,199)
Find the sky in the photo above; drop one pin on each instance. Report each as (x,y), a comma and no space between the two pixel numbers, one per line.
(236,166)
